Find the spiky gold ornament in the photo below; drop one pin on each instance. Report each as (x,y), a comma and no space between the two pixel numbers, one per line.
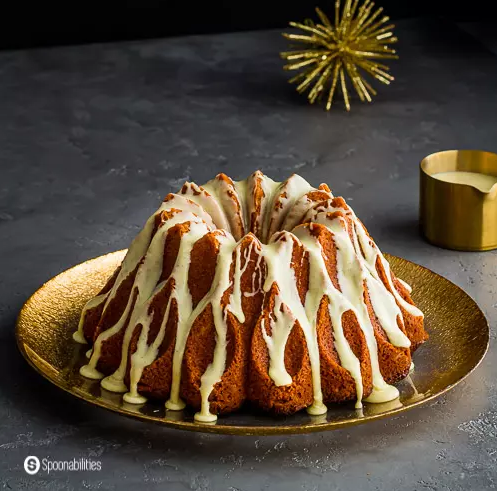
(347,49)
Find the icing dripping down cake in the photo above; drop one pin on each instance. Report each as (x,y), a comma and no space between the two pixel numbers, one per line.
(258,291)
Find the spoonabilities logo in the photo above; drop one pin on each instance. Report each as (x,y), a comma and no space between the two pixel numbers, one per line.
(32,464)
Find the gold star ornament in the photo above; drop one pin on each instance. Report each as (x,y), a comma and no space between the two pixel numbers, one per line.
(347,50)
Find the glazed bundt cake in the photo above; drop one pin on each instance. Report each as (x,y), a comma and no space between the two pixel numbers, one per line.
(258,291)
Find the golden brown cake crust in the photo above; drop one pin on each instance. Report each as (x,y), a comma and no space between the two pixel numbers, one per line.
(262,390)
(246,374)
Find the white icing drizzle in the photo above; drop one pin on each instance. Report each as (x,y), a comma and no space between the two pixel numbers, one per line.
(187,203)
(228,206)
(145,355)
(405,285)
(269,188)
(287,194)
(226,194)
(258,273)
(298,211)
(200,196)
(320,285)
(365,249)
(94,302)
(144,284)
(241,188)
(351,277)
(416,396)
(281,327)
(371,253)
(137,250)
(186,317)
(220,284)
(278,256)
(236,296)
(215,370)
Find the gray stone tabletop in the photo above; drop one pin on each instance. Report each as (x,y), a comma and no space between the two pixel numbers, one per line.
(92,137)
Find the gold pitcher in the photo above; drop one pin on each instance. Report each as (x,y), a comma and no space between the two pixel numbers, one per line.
(458,216)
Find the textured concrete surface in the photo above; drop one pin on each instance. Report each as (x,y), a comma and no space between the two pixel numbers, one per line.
(91,138)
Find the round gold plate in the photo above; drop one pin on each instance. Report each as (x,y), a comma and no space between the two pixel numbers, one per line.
(458,342)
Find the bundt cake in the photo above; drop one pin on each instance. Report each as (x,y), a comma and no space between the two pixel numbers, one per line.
(260,291)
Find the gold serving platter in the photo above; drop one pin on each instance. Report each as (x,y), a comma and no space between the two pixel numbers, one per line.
(458,342)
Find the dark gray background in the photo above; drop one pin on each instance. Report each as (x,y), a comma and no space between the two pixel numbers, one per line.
(25,23)
(91,138)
